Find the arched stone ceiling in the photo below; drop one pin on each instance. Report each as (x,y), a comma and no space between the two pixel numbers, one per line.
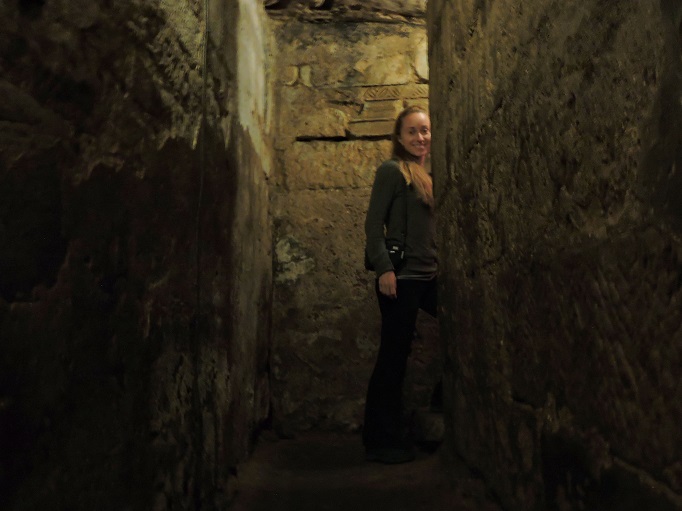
(339,10)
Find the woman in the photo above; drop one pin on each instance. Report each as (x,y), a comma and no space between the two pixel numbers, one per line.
(400,213)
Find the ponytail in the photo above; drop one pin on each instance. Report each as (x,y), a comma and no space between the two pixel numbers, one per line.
(417,176)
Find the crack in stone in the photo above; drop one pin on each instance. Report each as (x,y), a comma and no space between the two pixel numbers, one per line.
(647,479)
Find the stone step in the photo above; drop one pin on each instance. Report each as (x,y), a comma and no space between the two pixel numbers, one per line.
(428,426)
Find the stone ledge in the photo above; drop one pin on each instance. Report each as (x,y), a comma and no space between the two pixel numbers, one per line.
(344,10)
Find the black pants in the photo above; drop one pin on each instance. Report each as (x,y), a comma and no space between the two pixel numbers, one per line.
(383,409)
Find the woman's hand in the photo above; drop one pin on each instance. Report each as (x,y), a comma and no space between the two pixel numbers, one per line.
(388,284)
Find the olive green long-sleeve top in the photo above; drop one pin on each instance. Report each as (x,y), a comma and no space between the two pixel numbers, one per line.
(385,221)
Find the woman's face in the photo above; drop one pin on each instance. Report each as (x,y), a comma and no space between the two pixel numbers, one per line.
(415,135)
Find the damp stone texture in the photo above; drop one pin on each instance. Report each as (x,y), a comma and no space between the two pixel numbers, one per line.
(339,84)
(135,282)
(558,157)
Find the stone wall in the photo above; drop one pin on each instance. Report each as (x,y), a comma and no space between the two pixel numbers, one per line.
(558,147)
(339,87)
(134,347)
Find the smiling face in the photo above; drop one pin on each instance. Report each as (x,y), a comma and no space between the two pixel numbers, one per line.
(415,135)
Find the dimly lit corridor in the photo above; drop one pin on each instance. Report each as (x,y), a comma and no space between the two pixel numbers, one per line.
(186,322)
(327,472)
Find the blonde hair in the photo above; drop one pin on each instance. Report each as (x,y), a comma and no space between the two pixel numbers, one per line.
(417,175)
(413,172)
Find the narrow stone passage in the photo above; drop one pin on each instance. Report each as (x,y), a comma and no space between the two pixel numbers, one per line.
(327,472)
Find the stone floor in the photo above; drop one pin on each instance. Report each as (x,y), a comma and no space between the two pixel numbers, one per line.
(327,472)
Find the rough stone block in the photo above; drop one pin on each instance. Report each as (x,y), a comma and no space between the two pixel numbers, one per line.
(145,376)
(288,75)
(428,426)
(332,164)
(348,54)
(561,304)
(321,123)
(381,69)
(371,128)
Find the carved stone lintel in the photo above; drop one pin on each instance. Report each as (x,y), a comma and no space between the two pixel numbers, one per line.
(361,95)
(383,92)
